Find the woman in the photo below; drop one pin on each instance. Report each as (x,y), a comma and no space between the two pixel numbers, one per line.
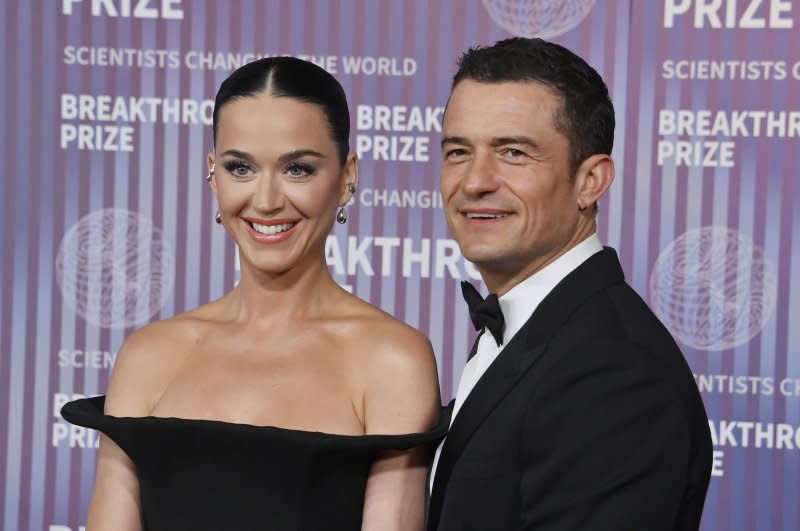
(283,404)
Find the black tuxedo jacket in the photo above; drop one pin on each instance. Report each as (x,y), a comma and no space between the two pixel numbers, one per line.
(588,419)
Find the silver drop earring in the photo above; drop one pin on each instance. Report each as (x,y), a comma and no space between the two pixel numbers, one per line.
(218,218)
(341,215)
(210,173)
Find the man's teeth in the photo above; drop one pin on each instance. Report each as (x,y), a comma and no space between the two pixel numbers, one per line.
(473,215)
(271,229)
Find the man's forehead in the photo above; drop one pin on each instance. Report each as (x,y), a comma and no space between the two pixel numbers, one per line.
(507,109)
(503,97)
(531,87)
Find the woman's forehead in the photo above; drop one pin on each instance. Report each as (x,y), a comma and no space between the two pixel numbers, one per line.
(265,119)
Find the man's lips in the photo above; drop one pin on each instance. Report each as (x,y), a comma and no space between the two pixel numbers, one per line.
(487,214)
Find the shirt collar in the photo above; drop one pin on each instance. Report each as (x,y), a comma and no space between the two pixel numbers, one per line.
(519,303)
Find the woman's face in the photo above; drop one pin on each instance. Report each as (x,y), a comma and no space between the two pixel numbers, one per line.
(278,180)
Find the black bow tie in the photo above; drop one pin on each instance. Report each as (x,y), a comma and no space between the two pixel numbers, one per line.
(485,313)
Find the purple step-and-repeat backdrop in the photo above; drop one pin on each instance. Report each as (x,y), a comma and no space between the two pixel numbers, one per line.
(108,223)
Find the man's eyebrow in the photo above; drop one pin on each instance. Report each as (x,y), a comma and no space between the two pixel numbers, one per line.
(519,139)
(494,142)
(454,140)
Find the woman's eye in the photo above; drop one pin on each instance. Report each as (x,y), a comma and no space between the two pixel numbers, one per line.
(237,169)
(298,170)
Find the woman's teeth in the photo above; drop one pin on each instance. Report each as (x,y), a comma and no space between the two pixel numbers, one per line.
(271,229)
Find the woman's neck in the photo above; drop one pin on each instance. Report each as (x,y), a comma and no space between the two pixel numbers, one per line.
(301,292)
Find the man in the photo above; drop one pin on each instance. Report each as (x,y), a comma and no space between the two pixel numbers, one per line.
(577,409)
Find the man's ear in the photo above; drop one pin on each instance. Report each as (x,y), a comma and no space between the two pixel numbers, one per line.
(349,179)
(592,179)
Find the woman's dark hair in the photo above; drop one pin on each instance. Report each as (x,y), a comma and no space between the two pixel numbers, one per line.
(586,116)
(292,78)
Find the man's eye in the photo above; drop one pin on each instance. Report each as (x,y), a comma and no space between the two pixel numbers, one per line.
(455,153)
(515,153)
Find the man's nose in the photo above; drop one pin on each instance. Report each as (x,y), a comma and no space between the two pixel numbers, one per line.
(481,175)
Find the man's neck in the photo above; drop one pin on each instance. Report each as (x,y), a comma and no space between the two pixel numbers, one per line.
(502,280)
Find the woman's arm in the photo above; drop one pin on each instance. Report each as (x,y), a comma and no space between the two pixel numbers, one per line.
(115,500)
(402,396)
(138,377)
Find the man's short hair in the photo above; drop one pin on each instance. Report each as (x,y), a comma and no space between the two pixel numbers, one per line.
(586,116)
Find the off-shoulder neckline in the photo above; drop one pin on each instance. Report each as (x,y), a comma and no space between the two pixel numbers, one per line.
(93,407)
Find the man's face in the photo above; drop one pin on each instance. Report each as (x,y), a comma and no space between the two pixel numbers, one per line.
(508,196)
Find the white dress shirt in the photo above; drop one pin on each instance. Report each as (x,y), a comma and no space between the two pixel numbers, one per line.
(517,305)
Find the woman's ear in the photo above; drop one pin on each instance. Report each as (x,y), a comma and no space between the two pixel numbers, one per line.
(349,179)
(210,177)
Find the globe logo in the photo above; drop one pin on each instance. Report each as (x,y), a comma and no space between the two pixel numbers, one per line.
(713,288)
(538,18)
(114,268)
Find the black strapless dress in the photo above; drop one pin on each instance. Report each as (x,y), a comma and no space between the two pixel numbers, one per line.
(212,475)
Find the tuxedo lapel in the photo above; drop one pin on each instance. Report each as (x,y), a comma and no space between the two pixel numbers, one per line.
(526,347)
(495,383)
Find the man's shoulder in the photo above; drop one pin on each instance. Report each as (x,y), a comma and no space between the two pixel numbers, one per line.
(614,327)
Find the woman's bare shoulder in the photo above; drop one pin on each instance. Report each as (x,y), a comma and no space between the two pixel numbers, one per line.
(150,357)
(401,380)
(386,335)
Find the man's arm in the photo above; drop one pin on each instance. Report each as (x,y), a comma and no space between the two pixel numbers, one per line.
(606,445)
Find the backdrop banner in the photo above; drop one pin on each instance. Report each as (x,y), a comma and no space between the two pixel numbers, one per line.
(108,221)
